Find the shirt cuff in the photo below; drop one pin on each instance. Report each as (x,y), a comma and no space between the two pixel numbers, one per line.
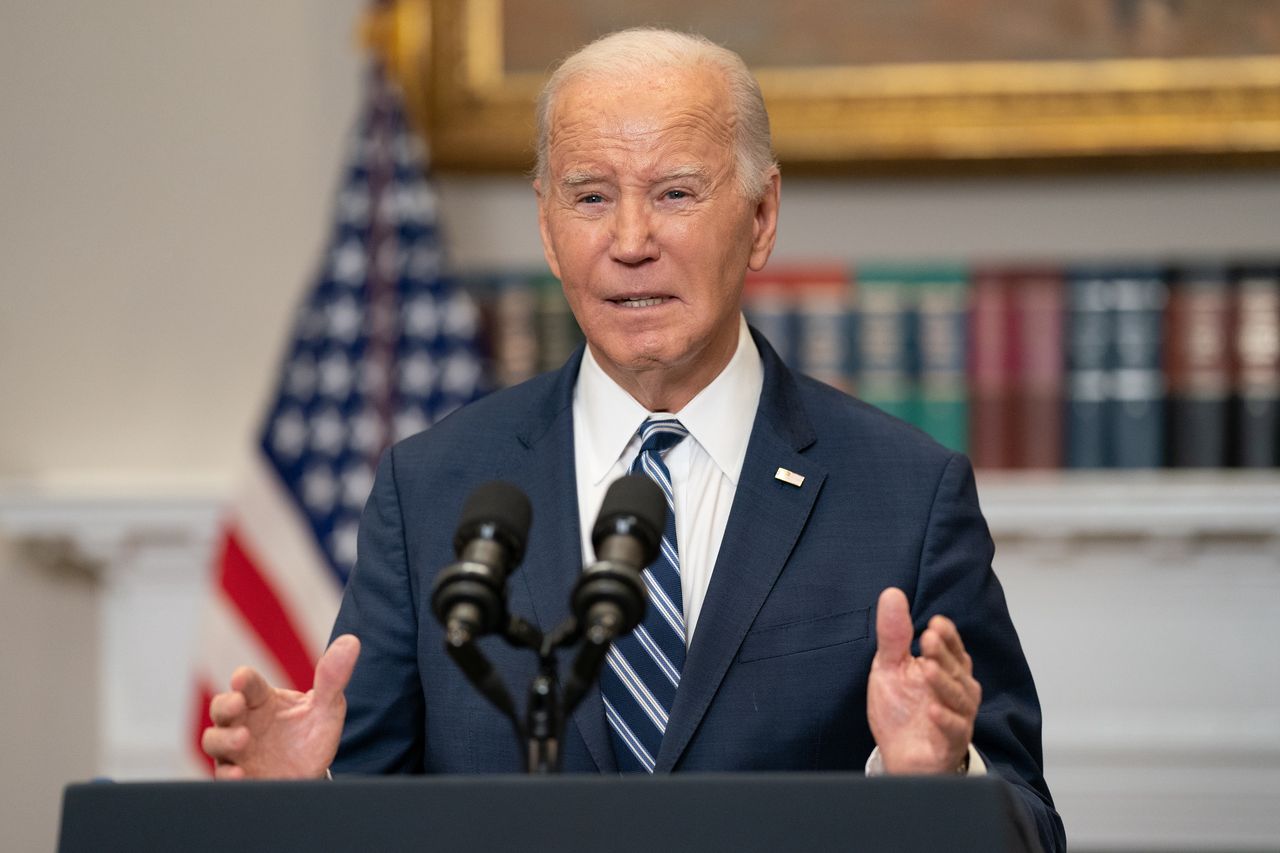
(875,764)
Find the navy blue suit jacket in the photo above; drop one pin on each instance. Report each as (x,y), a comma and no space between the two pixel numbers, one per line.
(776,674)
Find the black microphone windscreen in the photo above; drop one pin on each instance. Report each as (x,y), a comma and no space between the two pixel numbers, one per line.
(502,505)
(633,495)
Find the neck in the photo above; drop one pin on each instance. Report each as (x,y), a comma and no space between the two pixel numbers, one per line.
(669,388)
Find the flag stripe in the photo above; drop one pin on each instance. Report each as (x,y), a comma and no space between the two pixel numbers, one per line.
(255,598)
(269,526)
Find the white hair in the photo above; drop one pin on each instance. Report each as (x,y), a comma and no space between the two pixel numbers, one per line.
(634,54)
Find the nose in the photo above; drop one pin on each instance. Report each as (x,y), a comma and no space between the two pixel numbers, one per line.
(633,238)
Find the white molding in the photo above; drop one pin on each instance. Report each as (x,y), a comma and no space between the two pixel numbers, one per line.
(1094,504)
(96,518)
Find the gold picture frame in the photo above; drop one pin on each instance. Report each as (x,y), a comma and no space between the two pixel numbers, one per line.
(896,117)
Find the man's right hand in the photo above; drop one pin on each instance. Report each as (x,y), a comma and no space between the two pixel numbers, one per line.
(264,732)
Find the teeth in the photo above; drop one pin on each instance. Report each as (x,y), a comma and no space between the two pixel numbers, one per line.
(643,303)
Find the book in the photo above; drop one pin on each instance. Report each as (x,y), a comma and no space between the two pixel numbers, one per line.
(1035,331)
(941,302)
(1136,413)
(558,332)
(821,297)
(768,303)
(990,369)
(1089,359)
(885,345)
(1197,365)
(1256,342)
(511,309)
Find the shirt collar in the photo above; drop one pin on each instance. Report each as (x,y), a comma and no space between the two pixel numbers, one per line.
(719,418)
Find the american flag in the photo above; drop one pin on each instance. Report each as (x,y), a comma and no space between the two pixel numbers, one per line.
(382,346)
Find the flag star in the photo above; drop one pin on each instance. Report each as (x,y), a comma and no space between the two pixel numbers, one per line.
(461,316)
(319,489)
(416,203)
(353,205)
(461,373)
(336,375)
(367,432)
(349,263)
(418,375)
(344,317)
(343,542)
(421,317)
(289,434)
(357,482)
(328,432)
(300,376)
(410,422)
(409,151)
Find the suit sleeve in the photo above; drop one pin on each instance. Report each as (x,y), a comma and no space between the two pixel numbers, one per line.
(385,707)
(957,581)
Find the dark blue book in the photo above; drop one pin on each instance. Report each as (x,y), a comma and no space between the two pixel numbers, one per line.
(1137,388)
(1090,360)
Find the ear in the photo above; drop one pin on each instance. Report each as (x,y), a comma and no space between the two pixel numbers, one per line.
(765,225)
(548,247)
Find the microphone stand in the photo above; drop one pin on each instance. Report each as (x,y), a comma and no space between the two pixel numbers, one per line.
(542,730)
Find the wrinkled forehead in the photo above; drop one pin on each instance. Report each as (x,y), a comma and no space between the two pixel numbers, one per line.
(662,108)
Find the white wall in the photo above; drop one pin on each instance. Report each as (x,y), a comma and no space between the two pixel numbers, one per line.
(165,174)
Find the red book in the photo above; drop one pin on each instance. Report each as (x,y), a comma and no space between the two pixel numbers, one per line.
(1036,342)
(991,370)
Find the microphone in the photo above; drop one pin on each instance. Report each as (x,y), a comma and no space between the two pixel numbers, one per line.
(469,597)
(609,599)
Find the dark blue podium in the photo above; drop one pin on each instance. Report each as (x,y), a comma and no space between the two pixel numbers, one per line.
(742,813)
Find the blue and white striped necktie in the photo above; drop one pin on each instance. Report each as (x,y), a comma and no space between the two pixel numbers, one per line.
(639,683)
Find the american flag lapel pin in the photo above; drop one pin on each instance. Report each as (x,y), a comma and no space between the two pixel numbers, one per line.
(790,477)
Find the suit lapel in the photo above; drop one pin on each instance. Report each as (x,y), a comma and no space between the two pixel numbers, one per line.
(767,518)
(544,464)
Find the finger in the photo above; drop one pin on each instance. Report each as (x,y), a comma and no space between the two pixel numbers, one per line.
(951,636)
(255,688)
(228,773)
(958,694)
(333,672)
(226,709)
(893,626)
(955,727)
(224,744)
(934,646)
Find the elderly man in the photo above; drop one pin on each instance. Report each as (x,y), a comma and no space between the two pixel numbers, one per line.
(802,517)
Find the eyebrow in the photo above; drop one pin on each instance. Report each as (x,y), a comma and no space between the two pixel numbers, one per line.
(680,172)
(579,178)
(582,177)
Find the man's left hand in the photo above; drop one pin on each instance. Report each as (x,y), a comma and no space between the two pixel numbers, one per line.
(921,709)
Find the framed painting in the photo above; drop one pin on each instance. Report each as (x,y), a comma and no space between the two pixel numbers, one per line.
(885,85)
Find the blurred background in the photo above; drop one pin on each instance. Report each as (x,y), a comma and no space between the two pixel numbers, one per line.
(167,188)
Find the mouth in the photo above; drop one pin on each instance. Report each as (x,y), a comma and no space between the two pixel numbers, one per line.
(640,301)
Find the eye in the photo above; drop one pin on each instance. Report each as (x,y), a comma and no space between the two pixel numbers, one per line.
(591,198)
(675,195)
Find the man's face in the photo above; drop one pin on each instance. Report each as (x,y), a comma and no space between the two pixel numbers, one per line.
(644,223)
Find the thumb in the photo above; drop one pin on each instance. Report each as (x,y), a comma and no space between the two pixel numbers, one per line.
(333,672)
(893,627)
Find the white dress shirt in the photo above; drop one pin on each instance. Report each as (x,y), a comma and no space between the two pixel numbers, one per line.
(704,467)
